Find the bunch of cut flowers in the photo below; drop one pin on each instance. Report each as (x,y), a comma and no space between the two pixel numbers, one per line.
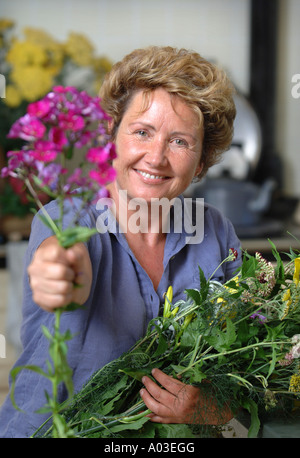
(53,131)
(238,341)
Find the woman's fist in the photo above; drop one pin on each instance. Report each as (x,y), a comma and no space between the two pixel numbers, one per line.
(54,272)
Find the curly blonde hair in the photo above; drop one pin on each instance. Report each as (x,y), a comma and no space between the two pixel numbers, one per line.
(202,85)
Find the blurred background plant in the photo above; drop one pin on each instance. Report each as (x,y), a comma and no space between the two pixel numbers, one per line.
(32,65)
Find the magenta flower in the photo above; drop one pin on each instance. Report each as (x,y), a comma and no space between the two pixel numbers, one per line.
(45,151)
(27,128)
(49,174)
(103,175)
(101,154)
(58,137)
(70,121)
(39,109)
(53,128)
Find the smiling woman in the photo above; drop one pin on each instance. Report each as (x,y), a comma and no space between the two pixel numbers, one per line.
(172,116)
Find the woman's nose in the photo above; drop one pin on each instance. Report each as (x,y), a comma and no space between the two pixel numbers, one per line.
(157,153)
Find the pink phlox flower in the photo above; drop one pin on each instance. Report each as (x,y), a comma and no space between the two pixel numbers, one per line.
(64,89)
(44,151)
(27,128)
(101,193)
(101,154)
(70,121)
(77,177)
(18,160)
(40,108)
(77,180)
(49,174)
(58,137)
(94,110)
(85,138)
(104,175)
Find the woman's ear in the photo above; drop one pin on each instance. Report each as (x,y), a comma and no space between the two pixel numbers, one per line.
(198,170)
(110,126)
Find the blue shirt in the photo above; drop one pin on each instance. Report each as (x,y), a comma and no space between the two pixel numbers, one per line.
(121,304)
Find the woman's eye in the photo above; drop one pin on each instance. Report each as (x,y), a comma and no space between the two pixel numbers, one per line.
(141,133)
(180,142)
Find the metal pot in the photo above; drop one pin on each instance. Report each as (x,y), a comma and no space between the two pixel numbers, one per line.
(243,202)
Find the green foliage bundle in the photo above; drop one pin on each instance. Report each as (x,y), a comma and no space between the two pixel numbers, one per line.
(239,342)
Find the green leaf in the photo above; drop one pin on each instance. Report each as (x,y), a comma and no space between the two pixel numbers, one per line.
(47,333)
(133,425)
(174,431)
(204,285)
(279,269)
(194,294)
(248,266)
(68,237)
(161,347)
(136,374)
(222,339)
(252,408)
(14,373)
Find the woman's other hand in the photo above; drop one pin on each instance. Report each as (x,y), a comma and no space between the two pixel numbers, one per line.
(176,402)
(54,271)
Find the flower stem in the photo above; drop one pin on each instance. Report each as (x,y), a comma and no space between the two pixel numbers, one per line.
(41,206)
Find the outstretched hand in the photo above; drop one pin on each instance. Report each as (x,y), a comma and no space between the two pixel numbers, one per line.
(54,271)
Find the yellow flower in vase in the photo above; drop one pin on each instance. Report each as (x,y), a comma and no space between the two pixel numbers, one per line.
(79,49)
(26,53)
(32,81)
(13,97)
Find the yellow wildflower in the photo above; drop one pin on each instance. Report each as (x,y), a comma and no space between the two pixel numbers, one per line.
(32,81)
(13,97)
(296,271)
(295,383)
(53,49)
(5,24)
(38,36)
(79,49)
(26,53)
(226,310)
(287,297)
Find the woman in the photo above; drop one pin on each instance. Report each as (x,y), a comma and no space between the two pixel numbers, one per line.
(172,116)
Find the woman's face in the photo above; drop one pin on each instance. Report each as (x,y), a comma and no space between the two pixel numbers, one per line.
(158,150)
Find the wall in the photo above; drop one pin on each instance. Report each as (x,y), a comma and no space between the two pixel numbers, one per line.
(288,107)
(218,29)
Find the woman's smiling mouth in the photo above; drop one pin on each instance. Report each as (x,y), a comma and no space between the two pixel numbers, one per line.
(151,176)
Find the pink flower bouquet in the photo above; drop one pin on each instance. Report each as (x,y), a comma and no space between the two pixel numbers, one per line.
(53,128)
